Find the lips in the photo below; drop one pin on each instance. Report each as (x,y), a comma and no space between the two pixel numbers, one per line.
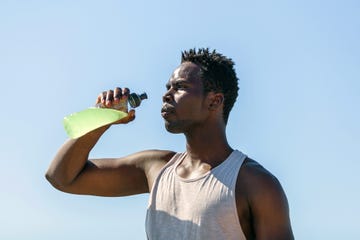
(166,110)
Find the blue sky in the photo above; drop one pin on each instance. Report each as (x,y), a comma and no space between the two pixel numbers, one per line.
(297,112)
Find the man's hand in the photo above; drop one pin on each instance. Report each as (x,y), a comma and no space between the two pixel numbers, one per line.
(116,99)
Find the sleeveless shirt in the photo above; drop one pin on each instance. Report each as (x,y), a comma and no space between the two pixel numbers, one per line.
(195,209)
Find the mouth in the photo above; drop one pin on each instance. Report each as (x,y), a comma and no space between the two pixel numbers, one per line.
(167,110)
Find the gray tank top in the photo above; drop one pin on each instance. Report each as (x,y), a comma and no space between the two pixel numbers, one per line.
(199,208)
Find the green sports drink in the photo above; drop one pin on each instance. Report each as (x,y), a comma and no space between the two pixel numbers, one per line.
(79,123)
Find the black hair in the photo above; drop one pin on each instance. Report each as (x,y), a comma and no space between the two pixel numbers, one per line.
(217,73)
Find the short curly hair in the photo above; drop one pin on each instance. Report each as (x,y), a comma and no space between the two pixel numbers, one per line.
(217,73)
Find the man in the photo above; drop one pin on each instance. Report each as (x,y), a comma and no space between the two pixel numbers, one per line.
(210,191)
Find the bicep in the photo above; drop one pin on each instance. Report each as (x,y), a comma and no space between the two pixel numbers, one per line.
(125,176)
(109,177)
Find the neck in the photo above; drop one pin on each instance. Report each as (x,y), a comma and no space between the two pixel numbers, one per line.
(208,144)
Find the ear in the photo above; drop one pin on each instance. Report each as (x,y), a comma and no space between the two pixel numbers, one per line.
(216,101)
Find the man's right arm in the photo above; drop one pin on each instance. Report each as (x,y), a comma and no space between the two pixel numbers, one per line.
(72,158)
(72,171)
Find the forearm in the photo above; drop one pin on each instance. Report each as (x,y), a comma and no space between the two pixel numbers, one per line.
(71,158)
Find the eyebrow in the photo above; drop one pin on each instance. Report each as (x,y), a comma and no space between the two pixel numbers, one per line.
(181,80)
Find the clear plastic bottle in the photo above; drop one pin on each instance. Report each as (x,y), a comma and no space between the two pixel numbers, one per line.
(79,123)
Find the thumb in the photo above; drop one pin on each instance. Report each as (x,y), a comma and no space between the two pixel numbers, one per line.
(130,117)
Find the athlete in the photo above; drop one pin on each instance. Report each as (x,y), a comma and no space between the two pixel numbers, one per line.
(209,191)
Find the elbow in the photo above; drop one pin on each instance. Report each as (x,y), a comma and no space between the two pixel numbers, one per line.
(49,177)
(54,181)
(58,184)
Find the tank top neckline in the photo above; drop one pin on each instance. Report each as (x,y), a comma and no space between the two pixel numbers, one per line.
(181,158)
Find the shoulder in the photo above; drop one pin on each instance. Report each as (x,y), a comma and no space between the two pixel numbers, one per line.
(251,172)
(155,155)
(147,159)
(152,161)
(259,184)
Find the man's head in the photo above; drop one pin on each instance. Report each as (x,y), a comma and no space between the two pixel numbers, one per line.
(217,73)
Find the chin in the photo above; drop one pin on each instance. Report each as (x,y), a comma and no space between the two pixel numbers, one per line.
(172,128)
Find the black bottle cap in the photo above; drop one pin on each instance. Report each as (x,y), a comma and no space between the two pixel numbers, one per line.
(135,99)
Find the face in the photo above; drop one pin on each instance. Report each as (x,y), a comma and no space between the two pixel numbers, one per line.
(184,103)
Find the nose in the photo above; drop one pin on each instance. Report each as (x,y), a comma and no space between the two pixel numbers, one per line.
(167,96)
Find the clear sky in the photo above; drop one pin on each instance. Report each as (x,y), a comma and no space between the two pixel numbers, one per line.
(297,112)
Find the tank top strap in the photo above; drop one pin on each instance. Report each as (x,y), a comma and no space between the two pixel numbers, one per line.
(228,171)
(172,163)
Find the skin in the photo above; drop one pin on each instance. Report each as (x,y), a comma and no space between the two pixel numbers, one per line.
(261,202)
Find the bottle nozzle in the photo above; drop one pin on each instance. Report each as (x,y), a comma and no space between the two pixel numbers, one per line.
(143,96)
(135,99)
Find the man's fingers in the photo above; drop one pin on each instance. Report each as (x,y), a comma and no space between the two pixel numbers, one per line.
(98,99)
(109,98)
(103,97)
(117,95)
(126,92)
(116,99)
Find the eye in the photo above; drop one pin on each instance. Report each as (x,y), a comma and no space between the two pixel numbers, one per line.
(180,85)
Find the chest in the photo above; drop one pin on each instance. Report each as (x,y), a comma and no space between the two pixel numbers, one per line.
(203,207)
(199,198)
